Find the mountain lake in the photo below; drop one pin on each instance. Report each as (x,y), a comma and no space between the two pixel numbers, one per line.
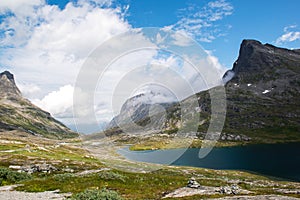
(280,161)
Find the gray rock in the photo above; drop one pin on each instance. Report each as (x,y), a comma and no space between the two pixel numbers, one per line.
(44,167)
(233,189)
(192,183)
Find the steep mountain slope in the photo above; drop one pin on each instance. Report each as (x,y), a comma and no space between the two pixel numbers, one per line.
(136,110)
(18,113)
(263,96)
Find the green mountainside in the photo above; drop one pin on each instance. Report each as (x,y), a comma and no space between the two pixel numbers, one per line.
(262,97)
(18,113)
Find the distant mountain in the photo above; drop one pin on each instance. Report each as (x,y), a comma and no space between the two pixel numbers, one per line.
(136,109)
(18,113)
(263,97)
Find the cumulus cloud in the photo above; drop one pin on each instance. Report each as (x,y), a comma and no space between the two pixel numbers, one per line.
(45,47)
(290,34)
(19,6)
(53,40)
(59,102)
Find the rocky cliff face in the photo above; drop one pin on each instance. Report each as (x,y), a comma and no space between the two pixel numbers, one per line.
(263,95)
(18,113)
(260,63)
(266,67)
(8,88)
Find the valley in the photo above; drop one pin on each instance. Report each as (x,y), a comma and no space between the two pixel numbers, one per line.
(40,156)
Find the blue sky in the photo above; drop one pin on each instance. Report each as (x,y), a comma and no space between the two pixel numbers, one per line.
(255,19)
(261,20)
(45,42)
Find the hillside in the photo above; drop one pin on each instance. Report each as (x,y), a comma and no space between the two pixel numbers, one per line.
(262,93)
(18,113)
(32,167)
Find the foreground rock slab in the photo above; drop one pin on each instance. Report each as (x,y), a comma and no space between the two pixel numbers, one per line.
(259,197)
(6,193)
(187,191)
(205,190)
(15,195)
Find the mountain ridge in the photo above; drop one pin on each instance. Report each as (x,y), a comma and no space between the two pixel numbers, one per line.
(262,89)
(18,113)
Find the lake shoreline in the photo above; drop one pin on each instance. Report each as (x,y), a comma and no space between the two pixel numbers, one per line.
(198,144)
(279,160)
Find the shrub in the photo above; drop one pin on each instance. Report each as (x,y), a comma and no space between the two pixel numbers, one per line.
(63,177)
(109,175)
(103,194)
(8,176)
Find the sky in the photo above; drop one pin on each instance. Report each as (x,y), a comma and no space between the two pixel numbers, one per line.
(46,42)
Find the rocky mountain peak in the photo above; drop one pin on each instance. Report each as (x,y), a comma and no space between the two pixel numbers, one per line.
(8,87)
(8,75)
(263,62)
(262,93)
(18,113)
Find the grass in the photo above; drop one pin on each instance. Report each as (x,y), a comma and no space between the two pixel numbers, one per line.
(68,152)
(102,194)
(137,186)
(128,185)
(8,176)
(152,185)
(172,143)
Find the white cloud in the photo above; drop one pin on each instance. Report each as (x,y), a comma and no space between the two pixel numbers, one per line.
(201,23)
(181,38)
(288,37)
(45,46)
(19,6)
(96,2)
(59,103)
(29,90)
(220,9)
(290,34)
(287,28)
(214,61)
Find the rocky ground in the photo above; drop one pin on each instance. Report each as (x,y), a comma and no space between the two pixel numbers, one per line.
(259,197)
(6,192)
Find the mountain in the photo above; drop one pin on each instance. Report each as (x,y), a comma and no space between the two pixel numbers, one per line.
(136,110)
(262,93)
(18,113)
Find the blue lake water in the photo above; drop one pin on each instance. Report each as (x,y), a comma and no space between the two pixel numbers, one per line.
(276,160)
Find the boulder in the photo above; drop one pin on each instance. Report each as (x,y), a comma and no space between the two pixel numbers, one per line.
(44,167)
(233,189)
(192,183)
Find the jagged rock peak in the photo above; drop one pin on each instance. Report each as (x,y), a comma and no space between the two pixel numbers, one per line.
(18,113)
(8,75)
(8,86)
(262,60)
